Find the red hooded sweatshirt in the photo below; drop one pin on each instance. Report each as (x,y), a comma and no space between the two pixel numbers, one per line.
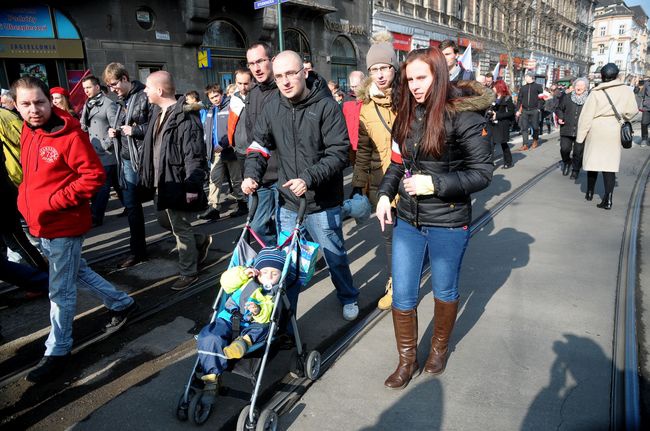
(61,171)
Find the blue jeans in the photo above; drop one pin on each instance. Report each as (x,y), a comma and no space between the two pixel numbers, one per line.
(134,212)
(68,270)
(325,228)
(217,335)
(443,247)
(100,200)
(265,217)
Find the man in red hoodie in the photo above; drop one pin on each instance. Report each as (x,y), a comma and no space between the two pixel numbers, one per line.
(61,172)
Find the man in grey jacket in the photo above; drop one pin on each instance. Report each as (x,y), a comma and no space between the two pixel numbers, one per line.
(98,115)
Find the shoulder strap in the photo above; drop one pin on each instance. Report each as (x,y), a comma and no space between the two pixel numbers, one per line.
(246,292)
(381,117)
(616,114)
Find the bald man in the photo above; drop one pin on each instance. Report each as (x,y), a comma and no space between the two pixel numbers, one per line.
(174,161)
(305,129)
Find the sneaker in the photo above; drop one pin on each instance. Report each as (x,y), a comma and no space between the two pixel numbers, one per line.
(205,249)
(118,318)
(350,311)
(210,378)
(643,143)
(184,281)
(49,367)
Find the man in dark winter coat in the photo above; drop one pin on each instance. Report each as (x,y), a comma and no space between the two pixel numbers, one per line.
(174,161)
(306,130)
(456,70)
(98,115)
(568,114)
(528,106)
(259,57)
(129,129)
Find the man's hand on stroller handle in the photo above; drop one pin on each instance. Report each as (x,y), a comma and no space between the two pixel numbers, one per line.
(248,186)
(253,308)
(297,186)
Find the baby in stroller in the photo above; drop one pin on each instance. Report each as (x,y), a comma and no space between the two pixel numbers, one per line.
(247,312)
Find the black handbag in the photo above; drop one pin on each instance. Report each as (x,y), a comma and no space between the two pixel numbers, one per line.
(627,134)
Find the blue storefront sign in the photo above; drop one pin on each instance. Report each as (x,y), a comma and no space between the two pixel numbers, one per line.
(30,22)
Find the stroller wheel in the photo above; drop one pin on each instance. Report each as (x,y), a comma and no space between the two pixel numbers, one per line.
(243,422)
(200,408)
(182,406)
(312,368)
(268,421)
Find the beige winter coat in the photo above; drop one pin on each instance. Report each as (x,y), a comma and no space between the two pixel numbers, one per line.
(374,148)
(599,129)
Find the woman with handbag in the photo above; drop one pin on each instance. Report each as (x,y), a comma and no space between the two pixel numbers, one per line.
(376,119)
(440,155)
(500,117)
(600,130)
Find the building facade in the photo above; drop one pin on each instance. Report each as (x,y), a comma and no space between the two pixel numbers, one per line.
(198,41)
(620,37)
(551,37)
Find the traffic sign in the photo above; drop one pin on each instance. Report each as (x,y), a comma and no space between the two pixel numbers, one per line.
(266,3)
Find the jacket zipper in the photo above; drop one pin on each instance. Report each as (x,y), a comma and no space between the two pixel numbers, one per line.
(295,144)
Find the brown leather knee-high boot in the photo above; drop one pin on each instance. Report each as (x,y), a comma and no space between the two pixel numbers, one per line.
(444,317)
(406,336)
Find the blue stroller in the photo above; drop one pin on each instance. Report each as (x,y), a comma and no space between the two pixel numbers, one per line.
(198,397)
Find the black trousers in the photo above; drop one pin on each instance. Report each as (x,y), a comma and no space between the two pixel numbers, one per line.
(645,121)
(568,143)
(609,180)
(529,119)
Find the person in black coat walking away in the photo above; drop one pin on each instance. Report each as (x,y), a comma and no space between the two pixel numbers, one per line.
(568,113)
(440,156)
(500,116)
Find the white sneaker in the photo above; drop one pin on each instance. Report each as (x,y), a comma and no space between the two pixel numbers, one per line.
(350,311)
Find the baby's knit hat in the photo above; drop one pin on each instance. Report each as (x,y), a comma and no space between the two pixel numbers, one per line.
(381,51)
(270,257)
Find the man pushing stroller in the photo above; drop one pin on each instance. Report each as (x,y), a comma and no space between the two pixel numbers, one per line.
(244,320)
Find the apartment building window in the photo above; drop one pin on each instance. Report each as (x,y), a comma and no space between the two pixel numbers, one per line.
(619,64)
(603,30)
(619,47)
(621,29)
(601,49)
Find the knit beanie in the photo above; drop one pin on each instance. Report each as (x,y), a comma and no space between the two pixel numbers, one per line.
(270,257)
(381,51)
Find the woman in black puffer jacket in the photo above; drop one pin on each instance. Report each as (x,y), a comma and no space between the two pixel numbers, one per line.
(440,156)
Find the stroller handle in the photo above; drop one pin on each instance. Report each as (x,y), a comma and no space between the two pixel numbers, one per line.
(302,209)
(252,206)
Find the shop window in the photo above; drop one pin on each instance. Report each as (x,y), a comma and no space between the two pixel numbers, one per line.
(144,70)
(227,46)
(222,34)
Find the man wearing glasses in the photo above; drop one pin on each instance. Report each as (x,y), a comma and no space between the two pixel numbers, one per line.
(259,57)
(129,129)
(306,130)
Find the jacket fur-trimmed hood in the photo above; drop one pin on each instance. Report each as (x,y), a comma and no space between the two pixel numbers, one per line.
(366,91)
(472,96)
(188,107)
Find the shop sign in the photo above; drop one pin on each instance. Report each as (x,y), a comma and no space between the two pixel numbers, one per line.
(435,43)
(344,26)
(464,42)
(530,63)
(162,35)
(40,48)
(28,22)
(402,42)
(204,58)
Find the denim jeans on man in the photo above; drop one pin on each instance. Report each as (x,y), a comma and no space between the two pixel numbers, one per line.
(265,218)
(100,200)
(529,119)
(68,270)
(412,247)
(325,228)
(134,211)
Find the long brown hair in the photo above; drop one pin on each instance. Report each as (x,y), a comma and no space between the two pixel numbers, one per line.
(436,103)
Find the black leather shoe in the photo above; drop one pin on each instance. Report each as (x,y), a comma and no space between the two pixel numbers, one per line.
(210,214)
(590,195)
(574,175)
(606,204)
(506,166)
(567,169)
(49,368)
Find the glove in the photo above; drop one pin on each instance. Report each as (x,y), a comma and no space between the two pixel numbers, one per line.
(356,191)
